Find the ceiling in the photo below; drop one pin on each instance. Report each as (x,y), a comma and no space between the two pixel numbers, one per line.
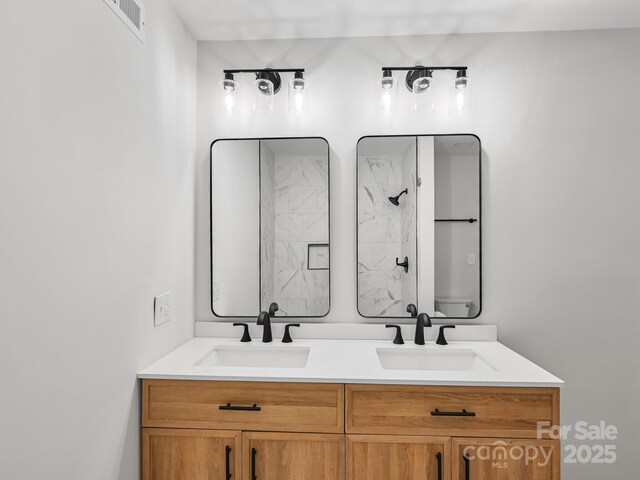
(273,19)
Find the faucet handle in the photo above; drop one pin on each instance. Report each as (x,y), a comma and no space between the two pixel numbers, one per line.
(287,335)
(412,310)
(441,338)
(273,308)
(245,336)
(398,340)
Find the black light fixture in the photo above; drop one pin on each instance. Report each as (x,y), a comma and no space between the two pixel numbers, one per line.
(229,84)
(268,83)
(418,81)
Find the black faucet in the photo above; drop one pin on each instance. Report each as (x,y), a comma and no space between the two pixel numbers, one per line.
(423,320)
(412,310)
(265,319)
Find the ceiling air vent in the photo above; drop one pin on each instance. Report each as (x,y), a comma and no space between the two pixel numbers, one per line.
(132,13)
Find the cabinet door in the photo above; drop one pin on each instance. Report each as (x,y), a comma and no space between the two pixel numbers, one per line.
(172,454)
(501,459)
(292,456)
(393,457)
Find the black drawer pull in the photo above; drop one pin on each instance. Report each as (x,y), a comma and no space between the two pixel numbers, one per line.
(467,474)
(228,462)
(253,464)
(228,406)
(463,413)
(439,459)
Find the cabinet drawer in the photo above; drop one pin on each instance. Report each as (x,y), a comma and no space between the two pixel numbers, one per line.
(281,407)
(450,411)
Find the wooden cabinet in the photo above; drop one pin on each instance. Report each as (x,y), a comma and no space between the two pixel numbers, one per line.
(293,456)
(261,406)
(209,430)
(500,459)
(394,457)
(173,454)
(450,411)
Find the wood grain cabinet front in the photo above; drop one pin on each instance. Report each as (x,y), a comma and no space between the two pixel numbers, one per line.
(393,457)
(450,411)
(174,454)
(293,456)
(212,430)
(505,459)
(255,406)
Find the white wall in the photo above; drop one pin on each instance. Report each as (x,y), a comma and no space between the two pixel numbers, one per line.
(97,149)
(235,208)
(558,120)
(426,225)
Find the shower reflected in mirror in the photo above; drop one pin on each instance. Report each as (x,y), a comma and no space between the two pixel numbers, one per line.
(420,246)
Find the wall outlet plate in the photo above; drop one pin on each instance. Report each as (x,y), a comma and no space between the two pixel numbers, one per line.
(162,309)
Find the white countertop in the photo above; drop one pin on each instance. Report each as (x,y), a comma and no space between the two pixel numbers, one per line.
(353,361)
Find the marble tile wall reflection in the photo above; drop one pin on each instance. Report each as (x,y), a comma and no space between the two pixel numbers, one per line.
(267,227)
(384,233)
(301,217)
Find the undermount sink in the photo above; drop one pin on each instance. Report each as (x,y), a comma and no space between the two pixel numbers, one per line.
(256,357)
(453,359)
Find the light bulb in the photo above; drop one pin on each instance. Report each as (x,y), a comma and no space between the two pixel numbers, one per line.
(264,93)
(298,96)
(229,88)
(460,96)
(389,92)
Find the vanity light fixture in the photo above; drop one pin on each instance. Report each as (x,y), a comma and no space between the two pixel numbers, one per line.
(267,85)
(460,95)
(229,86)
(389,95)
(419,80)
(298,102)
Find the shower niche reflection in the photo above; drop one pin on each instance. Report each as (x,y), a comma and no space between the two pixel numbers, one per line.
(270,227)
(419,222)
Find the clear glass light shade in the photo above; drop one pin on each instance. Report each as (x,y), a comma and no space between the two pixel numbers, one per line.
(229,96)
(422,98)
(263,95)
(388,94)
(298,96)
(460,97)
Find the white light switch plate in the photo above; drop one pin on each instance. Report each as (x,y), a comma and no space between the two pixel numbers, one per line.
(162,309)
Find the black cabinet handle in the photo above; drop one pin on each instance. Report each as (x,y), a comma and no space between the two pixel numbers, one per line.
(253,464)
(463,413)
(228,462)
(439,459)
(228,406)
(467,475)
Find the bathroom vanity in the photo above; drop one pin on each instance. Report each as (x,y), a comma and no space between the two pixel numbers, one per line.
(339,401)
(327,409)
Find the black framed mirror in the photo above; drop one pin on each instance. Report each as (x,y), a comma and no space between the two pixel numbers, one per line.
(419,225)
(270,239)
